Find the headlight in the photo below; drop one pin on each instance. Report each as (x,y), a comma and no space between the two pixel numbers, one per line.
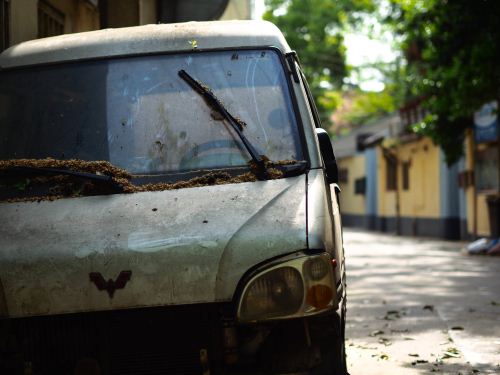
(276,293)
(299,287)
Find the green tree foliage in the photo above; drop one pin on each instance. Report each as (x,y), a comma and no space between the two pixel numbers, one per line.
(453,53)
(314,28)
(367,106)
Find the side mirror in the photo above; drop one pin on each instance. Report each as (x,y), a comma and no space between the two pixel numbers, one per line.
(325,146)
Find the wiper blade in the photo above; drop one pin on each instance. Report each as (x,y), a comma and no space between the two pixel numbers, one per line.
(108,180)
(294,169)
(213,102)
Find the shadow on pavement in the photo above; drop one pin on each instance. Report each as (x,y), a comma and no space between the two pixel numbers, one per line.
(418,306)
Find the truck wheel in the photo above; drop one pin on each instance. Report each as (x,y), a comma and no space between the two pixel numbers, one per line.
(334,359)
(339,363)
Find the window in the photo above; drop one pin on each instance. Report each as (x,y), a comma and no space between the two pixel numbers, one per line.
(391,172)
(487,168)
(343,175)
(406,175)
(50,20)
(4,24)
(360,186)
(466,179)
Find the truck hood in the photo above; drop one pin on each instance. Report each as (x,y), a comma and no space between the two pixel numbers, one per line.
(181,246)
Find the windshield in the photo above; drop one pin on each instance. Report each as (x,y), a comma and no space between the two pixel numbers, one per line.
(138,114)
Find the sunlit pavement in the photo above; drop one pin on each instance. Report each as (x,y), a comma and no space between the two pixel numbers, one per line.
(418,306)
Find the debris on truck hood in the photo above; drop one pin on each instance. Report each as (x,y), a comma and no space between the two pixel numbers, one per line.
(97,167)
(32,186)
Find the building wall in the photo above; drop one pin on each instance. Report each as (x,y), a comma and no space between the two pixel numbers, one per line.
(477,209)
(82,15)
(23,20)
(430,204)
(86,17)
(122,13)
(386,198)
(462,202)
(483,223)
(422,199)
(79,15)
(239,10)
(147,12)
(451,206)
(371,201)
(469,191)
(433,205)
(351,203)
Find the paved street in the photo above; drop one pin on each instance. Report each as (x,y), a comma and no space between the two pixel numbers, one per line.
(420,306)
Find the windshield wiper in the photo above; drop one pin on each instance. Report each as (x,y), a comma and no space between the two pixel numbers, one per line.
(216,105)
(295,169)
(108,180)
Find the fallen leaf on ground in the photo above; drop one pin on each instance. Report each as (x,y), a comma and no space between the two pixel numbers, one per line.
(429,307)
(447,342)
(451,353)
(365,347)
(419,361)
(392,315)
(375,333)
(385,341)
(382,356)
(400,330)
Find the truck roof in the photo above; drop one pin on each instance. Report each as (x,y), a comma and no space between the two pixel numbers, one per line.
(144,39)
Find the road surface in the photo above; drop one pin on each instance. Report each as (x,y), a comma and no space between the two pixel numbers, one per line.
(419,306)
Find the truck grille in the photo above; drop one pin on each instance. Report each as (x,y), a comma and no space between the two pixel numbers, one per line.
(149,341)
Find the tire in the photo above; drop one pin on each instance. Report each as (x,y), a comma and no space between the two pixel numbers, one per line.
(333,354)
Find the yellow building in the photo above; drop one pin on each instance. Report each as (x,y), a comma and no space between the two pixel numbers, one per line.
(481,177)
(396,182)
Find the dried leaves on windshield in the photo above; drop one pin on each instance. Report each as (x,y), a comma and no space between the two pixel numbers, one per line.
(59,186)
(96,167)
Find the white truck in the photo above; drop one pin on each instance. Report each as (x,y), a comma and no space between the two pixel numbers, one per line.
(168,205)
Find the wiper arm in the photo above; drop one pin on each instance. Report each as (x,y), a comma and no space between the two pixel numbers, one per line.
(57,171)
(213,102)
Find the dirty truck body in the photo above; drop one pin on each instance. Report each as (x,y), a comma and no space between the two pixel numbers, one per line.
(240,272)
